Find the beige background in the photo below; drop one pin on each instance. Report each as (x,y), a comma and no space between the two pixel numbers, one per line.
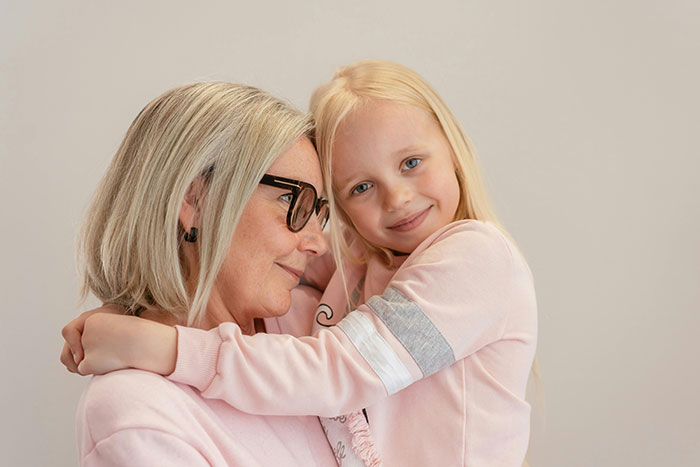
(585,115)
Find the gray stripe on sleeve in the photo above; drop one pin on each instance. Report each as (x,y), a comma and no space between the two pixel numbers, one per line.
(414,330)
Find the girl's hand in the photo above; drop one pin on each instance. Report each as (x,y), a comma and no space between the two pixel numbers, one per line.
(72,353)
(114,342)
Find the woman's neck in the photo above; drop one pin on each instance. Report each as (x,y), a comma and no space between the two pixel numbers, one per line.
(215,314)
(209,322)
(218,312)
(160,316)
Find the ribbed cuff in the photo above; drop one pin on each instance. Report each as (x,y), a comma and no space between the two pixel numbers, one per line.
(197,356)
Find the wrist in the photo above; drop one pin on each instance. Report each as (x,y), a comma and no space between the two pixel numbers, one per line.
(158,354)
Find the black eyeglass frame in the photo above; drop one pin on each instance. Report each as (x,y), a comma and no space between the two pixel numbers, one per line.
(296,186)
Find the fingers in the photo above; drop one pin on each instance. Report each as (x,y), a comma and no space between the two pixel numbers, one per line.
(71,333)
(73,352)
(95,339)
(84,368)
(68,360)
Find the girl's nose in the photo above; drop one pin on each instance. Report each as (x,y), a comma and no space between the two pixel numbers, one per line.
(311,238)
(397,196)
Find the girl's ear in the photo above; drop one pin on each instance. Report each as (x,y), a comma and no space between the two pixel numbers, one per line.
(190,206)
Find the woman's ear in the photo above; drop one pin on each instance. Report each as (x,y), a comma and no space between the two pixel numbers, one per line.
(190,206)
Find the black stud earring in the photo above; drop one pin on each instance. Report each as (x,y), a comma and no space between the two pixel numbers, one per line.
(192,236)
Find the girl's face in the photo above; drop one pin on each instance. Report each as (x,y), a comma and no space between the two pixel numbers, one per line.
(393,174)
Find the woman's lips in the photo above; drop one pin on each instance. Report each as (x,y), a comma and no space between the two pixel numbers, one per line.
(295,273)
(411,222)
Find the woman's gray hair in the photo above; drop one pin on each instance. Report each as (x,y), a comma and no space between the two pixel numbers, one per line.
(227,135)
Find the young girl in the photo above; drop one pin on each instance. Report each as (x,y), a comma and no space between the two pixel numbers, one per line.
(425,334)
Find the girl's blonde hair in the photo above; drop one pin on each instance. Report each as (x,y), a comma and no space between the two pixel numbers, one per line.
(222,134)
(355,85)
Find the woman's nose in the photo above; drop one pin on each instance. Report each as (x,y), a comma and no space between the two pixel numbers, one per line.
(312,240)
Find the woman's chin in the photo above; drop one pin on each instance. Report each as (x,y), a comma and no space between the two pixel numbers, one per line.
(283,307)
(277,306)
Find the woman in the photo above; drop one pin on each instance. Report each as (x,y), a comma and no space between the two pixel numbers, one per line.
(202,209)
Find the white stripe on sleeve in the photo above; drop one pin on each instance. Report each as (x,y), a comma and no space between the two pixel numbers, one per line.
(376,351)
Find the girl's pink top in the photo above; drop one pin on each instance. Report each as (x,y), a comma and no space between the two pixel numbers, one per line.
(438,351)
(137,418)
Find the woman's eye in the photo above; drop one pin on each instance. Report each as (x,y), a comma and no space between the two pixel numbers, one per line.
(287,197)
(411,163)
(361,188)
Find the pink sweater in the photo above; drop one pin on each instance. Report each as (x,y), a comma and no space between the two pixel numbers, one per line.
(439,354)
(136,418)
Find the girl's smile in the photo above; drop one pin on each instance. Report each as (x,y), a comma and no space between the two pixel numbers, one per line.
(394,175)
(411,222)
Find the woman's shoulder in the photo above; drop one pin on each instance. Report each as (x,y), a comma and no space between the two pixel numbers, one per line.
(129,399)
(134,385)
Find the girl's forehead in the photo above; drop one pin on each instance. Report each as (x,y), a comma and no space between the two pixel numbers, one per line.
(383,119)
(381,127)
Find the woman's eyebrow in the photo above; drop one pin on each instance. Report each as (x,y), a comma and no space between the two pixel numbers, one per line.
(320,189)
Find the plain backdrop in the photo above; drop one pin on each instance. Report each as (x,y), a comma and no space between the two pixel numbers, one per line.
(585,118)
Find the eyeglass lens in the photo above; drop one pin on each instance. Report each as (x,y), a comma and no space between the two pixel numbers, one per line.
(304,208)
(323,214)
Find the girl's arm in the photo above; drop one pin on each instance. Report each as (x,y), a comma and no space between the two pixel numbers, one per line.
(460,291)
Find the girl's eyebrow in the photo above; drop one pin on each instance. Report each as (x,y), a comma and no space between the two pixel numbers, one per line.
(409,149)
(344,183)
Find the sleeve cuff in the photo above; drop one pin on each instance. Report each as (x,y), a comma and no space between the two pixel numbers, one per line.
(197,356)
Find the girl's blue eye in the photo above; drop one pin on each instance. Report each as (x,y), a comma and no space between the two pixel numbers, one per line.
(287,197)
(361,188)
(411,163)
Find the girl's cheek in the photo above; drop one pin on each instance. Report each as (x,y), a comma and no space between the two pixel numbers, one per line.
(355,216)
(360,216)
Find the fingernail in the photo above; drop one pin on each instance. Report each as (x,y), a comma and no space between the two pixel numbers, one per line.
(75,358)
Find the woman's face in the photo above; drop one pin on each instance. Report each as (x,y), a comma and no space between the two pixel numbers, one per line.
(266,259)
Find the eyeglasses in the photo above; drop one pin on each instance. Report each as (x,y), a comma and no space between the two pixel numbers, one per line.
(305,202)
